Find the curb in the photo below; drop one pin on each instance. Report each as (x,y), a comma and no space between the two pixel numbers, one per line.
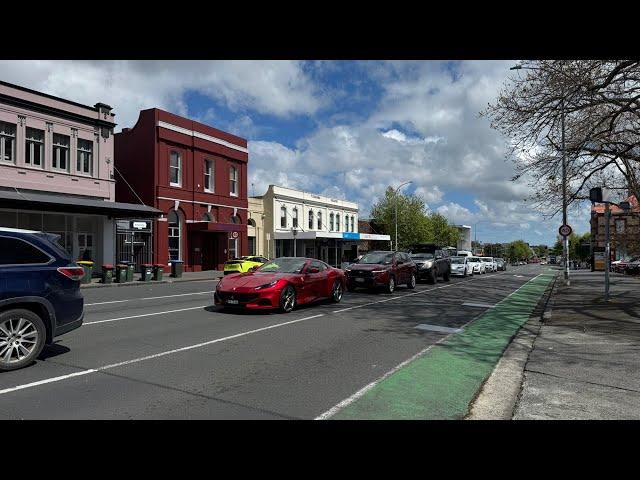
(499,395)
(138,283)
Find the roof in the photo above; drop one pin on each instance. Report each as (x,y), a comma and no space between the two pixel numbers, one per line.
(67,203)
(53,97)
(17,230)
(599,208)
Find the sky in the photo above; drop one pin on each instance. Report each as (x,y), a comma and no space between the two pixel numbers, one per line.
(346,129)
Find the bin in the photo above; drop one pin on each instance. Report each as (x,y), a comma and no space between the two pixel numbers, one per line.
(88,270)
(107,273)
(158,270)
(146,272)
(176,268)
(130,269)
(121,273)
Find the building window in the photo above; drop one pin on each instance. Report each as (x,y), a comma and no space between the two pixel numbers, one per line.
(85,156)
(295,217)
(232,251)
(252,245)
(331,222)
(283,217)
(7,142)
(173,221)
(310,219)
(208,176)
(352,224)
(34,154)
(60,152)
(175,169)
(346,223)
(319,220)
(337,222)
(236,219)
(233,181)
(85,246)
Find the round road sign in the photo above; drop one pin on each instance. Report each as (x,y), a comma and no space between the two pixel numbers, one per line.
(234,235)
(565,230)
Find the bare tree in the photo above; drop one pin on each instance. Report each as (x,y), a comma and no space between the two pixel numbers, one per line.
(601,104)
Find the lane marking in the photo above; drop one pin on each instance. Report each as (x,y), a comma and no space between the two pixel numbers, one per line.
(148,298)
(438,328)
(480,305)
(145,315)
(156,355)
(349,400)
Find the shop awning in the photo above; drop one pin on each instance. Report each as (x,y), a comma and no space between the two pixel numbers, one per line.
(216,227)
(312,235)
(70,204)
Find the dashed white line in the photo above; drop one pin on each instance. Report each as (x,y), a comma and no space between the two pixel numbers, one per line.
(145,315)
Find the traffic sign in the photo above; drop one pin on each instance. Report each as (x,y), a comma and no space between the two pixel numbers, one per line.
(565,230)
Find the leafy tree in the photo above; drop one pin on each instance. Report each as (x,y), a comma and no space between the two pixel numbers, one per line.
(519,250)
(440,231)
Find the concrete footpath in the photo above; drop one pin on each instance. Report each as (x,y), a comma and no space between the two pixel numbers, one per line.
(581,363)
(166,278)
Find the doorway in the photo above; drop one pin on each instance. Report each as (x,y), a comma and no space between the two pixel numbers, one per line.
(209,252)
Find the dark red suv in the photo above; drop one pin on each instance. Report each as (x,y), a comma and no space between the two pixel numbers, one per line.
(381,269)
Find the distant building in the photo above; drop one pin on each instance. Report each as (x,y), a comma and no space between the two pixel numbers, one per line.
(255,228)
(624,230)
(464,241)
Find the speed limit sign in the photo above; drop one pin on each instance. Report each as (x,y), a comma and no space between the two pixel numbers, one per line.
(234,235)
(565,230)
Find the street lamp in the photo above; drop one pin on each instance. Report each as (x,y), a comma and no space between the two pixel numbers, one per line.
(395,195)
(565,242)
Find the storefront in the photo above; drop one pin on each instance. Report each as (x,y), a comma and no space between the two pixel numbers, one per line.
(134,241)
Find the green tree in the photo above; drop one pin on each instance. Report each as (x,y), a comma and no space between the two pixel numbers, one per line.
(519,250)
(440,231)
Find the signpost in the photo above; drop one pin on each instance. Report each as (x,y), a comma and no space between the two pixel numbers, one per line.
(565,230)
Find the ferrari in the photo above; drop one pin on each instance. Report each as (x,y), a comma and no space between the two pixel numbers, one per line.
(243,264)
(281,284)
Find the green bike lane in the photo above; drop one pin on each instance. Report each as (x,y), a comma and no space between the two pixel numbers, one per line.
(442,381)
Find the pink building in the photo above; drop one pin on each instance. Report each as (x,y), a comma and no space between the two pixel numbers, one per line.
(57,173)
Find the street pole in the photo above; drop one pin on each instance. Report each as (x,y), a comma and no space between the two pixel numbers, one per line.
(565,243)
(607,250)
(395,195)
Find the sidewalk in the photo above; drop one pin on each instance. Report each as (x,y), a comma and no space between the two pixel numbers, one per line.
(585,362)
(166,278)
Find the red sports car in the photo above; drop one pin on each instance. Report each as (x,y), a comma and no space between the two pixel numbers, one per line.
(281,283)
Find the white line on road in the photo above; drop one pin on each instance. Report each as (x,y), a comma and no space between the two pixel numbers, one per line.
(148,298)
(156,355)
(480,305)
(145,315)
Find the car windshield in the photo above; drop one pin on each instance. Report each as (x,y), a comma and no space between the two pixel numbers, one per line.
(283,265)
(377,258)
(457,260)
(422,256)
(486,259)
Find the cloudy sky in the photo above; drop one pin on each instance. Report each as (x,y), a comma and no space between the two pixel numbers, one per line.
(346,129)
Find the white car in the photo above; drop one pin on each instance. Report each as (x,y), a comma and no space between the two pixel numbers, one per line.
(492,266)
(477,265)
(461,266)
(464,253)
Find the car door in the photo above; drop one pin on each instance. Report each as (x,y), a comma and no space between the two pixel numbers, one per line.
(316,280)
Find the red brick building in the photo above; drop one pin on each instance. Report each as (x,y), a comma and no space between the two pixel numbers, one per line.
(197,176)
(624,230)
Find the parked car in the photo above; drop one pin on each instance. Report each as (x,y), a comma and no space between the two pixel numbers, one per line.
(382,269)
(501,264)
(432,262)
(477,265)
(282,284)
(40,296)
(464,253)
(490,263)
(633,266)
(461,266)
(243,264)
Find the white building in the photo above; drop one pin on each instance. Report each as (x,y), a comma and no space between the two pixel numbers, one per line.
(303,224)
(464,241)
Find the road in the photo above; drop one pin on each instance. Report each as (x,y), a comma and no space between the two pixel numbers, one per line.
(164,352)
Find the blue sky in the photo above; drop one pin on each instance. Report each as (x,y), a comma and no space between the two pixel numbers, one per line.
(343,128)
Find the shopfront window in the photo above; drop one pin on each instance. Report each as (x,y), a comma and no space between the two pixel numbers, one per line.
(173,221)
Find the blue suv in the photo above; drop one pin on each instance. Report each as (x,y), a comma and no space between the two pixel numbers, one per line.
(40,295)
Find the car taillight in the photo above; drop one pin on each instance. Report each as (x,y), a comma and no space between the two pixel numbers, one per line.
(74,273)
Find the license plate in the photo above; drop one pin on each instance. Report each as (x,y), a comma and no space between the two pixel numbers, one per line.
(232,302)
(359,279)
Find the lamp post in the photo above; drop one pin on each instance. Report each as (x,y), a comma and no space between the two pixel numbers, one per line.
(565,242)
(294,231)
(395,195)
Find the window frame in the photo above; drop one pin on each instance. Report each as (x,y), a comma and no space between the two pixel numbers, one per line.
(294,217)
(211,187)
(179,168)
(331,221)
(179,236)
(233,181)
(319,216)
(30,145)
(86,152)
(3,139)
(283,209)
(310,219)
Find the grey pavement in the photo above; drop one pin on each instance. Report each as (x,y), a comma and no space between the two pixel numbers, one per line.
(585,362)
(166,278)
(162,351)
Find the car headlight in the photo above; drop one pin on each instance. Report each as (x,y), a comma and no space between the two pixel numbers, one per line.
(267,285)
(427,264)
(347,269)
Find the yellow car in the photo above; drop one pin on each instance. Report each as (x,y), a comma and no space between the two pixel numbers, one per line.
(243,264)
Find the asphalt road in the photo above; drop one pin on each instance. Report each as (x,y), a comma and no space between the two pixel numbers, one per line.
(164,352)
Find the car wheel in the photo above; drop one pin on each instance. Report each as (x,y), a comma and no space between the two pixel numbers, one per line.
(336,292)
(287,299)
(446,276)
(391,286)
(465,273)
(22,337)
(412,282)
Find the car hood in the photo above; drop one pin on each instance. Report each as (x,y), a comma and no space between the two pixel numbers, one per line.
(252,279)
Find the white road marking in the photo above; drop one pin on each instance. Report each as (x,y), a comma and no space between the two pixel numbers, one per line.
(347,401)
(156,355)
(480,305)
(145,315)
(149,298)
(438,328)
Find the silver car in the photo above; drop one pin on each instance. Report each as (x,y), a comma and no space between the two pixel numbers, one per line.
(461,266)
(491,264)
(477,265)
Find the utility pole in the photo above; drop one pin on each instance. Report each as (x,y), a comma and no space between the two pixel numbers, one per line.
(565,243)
(395,196)
(607,250)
